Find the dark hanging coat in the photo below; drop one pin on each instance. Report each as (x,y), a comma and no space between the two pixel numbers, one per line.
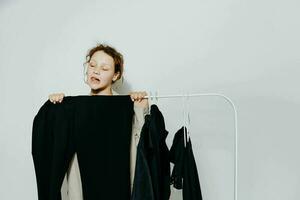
(152,171)
(184,174)
(99,129)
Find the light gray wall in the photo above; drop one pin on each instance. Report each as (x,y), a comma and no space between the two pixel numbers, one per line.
(247,50)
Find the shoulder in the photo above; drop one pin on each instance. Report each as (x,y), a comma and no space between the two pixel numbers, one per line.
(138,110)
(115,92)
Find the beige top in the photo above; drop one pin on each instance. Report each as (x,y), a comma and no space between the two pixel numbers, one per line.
(72,188)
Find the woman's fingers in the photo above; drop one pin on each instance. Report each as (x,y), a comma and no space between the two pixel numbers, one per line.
(144,94)
(61,96)
(138,96)
(141,96)
(57,97)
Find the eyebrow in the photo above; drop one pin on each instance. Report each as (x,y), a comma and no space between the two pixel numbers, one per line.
(102,63)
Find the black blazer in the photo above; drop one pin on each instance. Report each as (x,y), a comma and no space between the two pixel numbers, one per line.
(184,174)
(152,170)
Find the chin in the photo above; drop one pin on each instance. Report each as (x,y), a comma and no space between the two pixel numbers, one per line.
(95,87)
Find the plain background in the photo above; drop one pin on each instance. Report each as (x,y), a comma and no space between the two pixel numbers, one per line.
(247,50)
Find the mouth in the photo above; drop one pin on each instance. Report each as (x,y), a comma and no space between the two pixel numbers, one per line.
(95,80)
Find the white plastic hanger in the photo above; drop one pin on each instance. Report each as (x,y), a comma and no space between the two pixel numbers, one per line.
(186,119)
(152,97)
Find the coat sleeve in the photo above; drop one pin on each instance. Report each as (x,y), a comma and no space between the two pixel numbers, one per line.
(40,144)
(49,131)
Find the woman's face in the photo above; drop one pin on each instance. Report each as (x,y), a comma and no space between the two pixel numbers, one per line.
(100,71)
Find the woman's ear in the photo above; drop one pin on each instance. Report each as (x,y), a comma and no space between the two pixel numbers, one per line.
(116,76)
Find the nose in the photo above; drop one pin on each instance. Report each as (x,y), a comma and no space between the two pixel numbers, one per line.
(96,72)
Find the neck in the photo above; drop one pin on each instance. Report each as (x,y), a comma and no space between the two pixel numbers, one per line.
(106,91)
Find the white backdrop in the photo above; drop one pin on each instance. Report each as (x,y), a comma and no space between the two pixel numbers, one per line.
(247,50)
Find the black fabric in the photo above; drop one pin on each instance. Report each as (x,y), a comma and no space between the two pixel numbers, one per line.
(99,129)
(152,170)
(184,174)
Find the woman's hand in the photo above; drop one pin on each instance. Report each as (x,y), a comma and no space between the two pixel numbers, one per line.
(138,98)
(56,97)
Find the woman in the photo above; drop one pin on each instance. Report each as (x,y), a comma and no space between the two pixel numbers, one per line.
(104,66)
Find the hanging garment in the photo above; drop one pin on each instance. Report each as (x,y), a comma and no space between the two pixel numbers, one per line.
(152,170)
(73,187)
(184,174)
(99,129)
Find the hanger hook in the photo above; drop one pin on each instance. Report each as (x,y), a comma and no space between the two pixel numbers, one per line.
(156,96)
(150,93)
(149,99)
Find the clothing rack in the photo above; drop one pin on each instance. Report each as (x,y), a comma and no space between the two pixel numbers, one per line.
(156,96)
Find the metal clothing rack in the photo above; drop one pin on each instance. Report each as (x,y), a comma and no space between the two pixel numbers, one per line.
(156,96)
